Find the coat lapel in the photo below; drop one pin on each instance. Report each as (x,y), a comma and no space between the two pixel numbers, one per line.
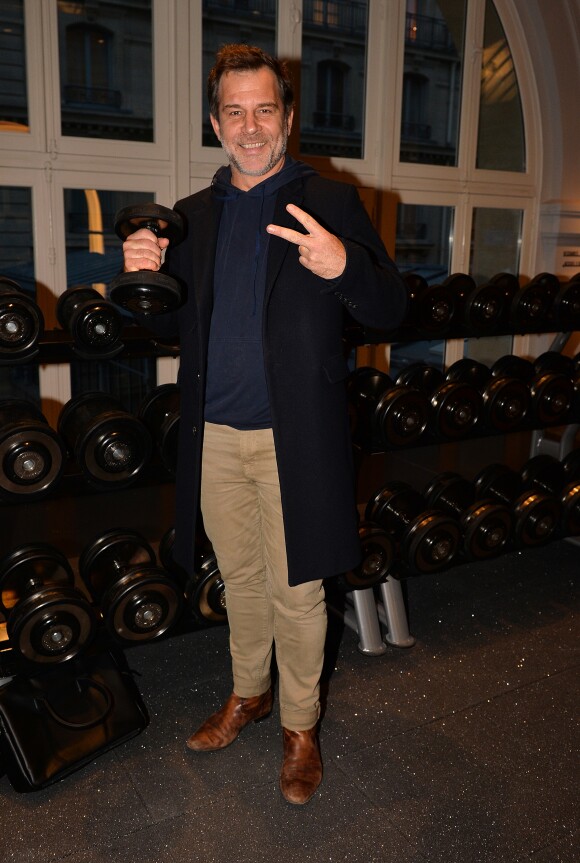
(278,248)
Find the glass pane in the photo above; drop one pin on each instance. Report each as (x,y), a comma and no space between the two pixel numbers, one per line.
(13,95)
(500,142)
(496,238)
(17,380)
(433,67)
(333,73)
(250,22)
(106,69)
(93,257)
(423,246)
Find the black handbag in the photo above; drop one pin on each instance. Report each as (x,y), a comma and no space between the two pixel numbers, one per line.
(53,723)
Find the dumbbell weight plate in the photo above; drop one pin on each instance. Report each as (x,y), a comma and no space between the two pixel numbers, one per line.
(536,518)
(163,221)
(566,307)
(21,324)
(544,472)
(570,504)
(552,396)
(206,593)
(455,410)
(505,402)
(571,464)
(378,553)
(94,323)
(32,454)
(142,605)
(431,542)
(553,361)
(52,625)
(110,554)
(394,501)
(486,528)
(145,292)
(530,307)
(110,445)
(36,563)
(483,312)
(160,412)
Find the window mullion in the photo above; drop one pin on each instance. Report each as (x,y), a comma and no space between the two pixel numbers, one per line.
(471,88)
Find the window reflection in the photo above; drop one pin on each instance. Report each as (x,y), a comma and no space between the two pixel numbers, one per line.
(13,95)
(423,246)
(433,65)
(333,70)
(495,248)
(500,142)
(106,68)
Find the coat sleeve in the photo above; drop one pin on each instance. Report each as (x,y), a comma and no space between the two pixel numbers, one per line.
(371,287)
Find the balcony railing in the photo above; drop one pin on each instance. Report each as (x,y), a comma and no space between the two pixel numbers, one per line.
(327,120)
(336,15)
(423,31)
(92,96)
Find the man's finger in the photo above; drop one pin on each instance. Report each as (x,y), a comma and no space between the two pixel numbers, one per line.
(286,233)
(304,218)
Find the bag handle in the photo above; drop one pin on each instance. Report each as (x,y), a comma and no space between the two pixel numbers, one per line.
(44,703)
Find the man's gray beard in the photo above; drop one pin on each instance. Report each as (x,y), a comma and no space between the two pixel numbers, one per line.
(275,157)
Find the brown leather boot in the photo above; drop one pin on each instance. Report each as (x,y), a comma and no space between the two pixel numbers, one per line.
(223,727)
(302,766)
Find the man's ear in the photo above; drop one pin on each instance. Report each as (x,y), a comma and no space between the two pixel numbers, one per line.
(215,126)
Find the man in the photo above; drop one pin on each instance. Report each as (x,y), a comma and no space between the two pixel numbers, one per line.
(274,254)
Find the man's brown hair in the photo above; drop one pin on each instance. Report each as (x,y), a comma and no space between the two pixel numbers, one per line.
(243,58)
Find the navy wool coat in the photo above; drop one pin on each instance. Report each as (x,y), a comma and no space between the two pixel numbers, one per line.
(304,361)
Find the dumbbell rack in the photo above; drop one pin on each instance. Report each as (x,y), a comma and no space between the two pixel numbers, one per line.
(378,614)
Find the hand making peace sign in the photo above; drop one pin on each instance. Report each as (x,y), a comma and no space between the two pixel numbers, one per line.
(319,250)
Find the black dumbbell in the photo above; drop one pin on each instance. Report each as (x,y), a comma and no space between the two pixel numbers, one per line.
(547,473)
(146,291)
(160,412)
(378,554)
(509,285)
(94,323)
(203,589)
(32,454)
(386,415)
(551,393)
(553,362)
(505,400)
(485,525)
(531,305)
(21,323)
(565,311)
(110,445)
(48,620)
(431,307)
(571,464)
(455,408)
(479,309)
(427,539)
(139,600)
(535,513)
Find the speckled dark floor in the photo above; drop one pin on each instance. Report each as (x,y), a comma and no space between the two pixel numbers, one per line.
(459,749)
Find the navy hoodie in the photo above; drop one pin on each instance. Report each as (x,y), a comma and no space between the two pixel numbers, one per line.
(236,392)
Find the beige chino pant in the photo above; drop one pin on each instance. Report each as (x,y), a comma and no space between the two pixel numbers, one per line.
(242,513)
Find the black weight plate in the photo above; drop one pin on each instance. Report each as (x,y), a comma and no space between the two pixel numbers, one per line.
(570,504)
(207,596)
(506,402)
(536,518)
(566,307)
(142,605)
(393,506)
(553,361)
(499,481)
(468,371)
(545,472)
(52,625)
(146,292)
(96,328)
(31,564)
(106,558)
(450,492)
(455,410)
(21,325)
(421,376)
(571,464)
(430,542)
(460,283)
(551,398)
(378,553)
(402,416)
(163,221)
(511,366)
(483,310)
(508,283)
(160,412)
(486,529)
(71,299)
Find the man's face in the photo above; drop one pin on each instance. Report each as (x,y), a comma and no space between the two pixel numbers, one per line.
(251,126)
